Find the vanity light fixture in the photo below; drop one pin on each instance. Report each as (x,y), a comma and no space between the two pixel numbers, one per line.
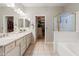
(17,10)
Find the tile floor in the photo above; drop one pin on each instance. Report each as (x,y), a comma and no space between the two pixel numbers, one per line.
(40,48)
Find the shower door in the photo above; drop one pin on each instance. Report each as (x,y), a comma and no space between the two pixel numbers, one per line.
(67,22)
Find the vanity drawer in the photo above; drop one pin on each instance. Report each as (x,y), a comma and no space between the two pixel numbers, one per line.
(9,47)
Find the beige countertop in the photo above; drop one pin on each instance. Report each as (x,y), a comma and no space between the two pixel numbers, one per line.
(12,37)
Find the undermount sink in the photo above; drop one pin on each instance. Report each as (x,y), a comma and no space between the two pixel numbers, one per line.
(3,35)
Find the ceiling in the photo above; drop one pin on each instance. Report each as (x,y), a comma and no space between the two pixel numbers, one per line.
(38,4)
(2,5)
(43,4)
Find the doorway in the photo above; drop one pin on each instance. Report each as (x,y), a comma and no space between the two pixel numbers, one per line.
(40,28)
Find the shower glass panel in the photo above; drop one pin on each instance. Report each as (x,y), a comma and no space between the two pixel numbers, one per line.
(65,22)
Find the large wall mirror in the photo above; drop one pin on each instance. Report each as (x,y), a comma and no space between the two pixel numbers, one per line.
(23,23)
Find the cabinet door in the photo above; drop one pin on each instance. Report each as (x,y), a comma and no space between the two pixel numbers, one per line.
(9,47)
(1,51)
(25,42)
(28,39)
(14,52)
(23,45)
(12,49)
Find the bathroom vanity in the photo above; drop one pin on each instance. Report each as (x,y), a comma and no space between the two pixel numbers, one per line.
(15,44)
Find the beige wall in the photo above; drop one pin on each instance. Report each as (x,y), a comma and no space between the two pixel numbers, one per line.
(48,12)
(72,7)
(31,12)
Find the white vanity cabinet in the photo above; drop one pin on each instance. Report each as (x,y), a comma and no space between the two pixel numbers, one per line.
(9,50)
(17,47)
(23,43)
(26,40)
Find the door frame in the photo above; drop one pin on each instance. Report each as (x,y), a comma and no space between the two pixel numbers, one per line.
(36,27)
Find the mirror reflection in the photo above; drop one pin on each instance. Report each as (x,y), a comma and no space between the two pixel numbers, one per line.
(27,23)
(9,23)
(20,23)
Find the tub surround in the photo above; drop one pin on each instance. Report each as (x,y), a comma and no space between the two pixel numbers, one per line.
(66,43)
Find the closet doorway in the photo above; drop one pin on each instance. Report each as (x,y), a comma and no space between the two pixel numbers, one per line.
(40,28)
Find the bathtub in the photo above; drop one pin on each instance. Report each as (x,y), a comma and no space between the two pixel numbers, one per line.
(66,43)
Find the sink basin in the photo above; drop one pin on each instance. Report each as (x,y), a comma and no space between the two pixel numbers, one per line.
(3,35)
